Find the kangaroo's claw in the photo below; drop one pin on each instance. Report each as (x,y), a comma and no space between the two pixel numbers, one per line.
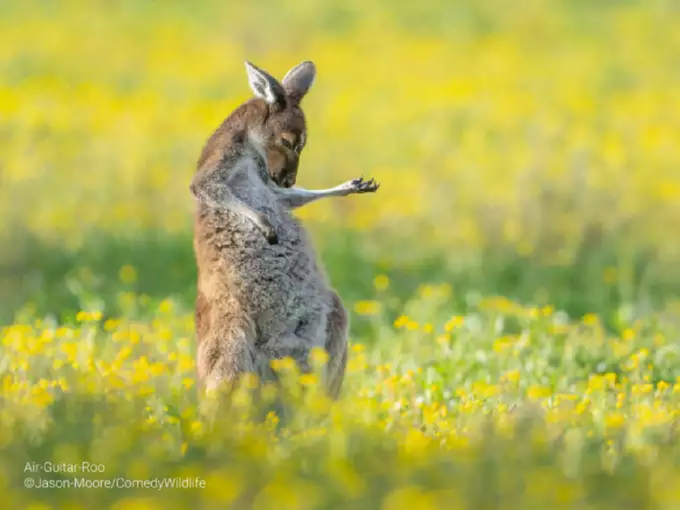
(361,186)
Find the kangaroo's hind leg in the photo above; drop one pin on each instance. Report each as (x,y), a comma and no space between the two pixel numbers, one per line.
(226,350)
(336,345)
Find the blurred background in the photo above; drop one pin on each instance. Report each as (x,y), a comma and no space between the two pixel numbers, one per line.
(526,149)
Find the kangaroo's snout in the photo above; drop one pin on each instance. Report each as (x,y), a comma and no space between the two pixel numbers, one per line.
(283,166)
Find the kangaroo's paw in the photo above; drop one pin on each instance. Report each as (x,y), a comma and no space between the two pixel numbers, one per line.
(361,186)
(267,230)
(270,235)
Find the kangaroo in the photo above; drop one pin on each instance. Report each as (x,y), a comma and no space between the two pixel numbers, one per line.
(262,295)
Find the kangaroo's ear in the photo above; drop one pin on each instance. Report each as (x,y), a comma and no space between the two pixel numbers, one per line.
(264,85)
(299,80)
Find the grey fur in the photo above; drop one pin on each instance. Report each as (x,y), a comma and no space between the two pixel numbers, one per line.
(299,80)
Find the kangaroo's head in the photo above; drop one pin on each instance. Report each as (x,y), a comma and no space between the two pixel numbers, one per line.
(278,130)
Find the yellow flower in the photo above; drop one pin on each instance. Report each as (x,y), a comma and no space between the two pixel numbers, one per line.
(454,322)
(628,334)
(367,307)
(642,388)
(271,420)
(512,376)
(309,380)
(443,340)
(83,316)
(381,282)
(185,363)
(401,321)
(537,392)
(165,306)
(502,344)
(70,349)
(662,386)
(490,391)
(318,356)
(615,421)
(41,396)
(597,382)
(412,325)
(283,364)
(590,319)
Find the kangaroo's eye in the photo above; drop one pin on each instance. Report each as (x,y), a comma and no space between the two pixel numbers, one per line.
(287,143)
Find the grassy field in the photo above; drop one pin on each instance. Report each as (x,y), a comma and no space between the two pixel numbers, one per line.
(513,285)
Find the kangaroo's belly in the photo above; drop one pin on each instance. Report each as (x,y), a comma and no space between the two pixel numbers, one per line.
(280,286)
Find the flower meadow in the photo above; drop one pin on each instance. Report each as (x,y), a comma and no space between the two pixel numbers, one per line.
(513,286)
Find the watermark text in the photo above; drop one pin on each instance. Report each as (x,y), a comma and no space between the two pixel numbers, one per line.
(115,483)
